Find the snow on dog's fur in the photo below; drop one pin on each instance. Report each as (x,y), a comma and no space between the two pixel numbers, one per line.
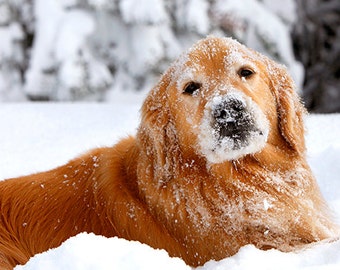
(218,162)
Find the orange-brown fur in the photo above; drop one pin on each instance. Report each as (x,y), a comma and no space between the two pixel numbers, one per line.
(158,189)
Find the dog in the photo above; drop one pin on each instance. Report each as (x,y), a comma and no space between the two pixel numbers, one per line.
(218,162)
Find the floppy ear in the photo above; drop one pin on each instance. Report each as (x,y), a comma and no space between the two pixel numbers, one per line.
(156,131)
(289,107)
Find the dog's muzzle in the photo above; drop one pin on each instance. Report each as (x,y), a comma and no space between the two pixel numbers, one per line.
(233,120)
(233,126)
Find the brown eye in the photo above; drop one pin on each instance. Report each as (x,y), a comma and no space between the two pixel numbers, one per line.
(245,72)
(191,88)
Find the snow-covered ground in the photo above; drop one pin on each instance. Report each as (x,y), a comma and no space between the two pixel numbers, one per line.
(37,137)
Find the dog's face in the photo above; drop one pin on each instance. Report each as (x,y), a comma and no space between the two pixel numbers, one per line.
(225,101)
(223,97)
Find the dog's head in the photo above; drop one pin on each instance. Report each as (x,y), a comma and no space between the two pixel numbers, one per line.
(223,101)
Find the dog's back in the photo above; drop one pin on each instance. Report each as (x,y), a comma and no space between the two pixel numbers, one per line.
(40,211)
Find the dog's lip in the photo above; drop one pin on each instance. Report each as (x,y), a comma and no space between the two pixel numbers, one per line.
(239,137)
(234,132)
(234,127)
(225,131)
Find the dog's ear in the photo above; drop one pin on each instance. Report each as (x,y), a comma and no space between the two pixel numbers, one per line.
(155,107)
(289,107)
(155,129)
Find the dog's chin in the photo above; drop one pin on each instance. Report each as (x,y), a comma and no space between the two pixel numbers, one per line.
(234,147)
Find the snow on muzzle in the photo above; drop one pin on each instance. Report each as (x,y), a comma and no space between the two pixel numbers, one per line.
(233,126)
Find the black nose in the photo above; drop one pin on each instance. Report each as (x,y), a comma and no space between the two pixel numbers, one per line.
(229,111)
(232,119)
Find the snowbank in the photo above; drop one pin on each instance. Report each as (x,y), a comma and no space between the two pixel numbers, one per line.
(37,137)
(88,251)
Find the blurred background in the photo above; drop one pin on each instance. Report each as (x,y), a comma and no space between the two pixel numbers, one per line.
(98,50)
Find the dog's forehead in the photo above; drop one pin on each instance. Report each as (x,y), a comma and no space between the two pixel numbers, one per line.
(211,60)
(223,51)
(214,55)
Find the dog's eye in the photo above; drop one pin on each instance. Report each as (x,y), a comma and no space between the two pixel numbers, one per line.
(245,72)
(191,88)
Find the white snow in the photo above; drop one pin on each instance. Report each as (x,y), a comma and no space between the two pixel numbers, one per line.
(194,15)
(143,11)
(115,253)
(37,137)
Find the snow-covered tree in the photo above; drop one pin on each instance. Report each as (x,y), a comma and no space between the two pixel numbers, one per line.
(63,65)
(12,53)
(90,49)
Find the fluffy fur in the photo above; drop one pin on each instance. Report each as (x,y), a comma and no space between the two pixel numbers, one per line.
(167,188)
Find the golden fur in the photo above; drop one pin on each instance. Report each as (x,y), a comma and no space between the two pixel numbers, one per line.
(160,189)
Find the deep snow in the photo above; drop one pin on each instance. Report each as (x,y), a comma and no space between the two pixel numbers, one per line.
(37,137)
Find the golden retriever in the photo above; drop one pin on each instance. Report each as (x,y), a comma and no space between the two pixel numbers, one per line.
(218,162)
